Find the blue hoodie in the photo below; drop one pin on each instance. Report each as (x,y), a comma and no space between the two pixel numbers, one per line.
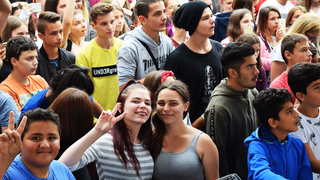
(268,158)
(221,25)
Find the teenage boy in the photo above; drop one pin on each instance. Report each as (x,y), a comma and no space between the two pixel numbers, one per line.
(148,48)
(100,55)
(272,153)
(39,145)
(22,84)
(294,49)
(51,58)
(230,116)
(196,61)
(304,81)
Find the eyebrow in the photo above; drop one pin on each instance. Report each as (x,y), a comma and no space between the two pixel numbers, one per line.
(316,85)
(39,134)
(289,108)
(140,98)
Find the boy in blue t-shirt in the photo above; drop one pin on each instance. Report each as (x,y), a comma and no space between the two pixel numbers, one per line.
(272,152)
(39,145)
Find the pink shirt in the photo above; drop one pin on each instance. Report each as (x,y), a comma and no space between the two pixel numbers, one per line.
(282,82)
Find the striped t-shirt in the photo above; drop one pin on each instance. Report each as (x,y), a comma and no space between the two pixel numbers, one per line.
(109,166)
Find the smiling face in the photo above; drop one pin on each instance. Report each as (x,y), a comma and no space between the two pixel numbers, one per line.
(105,25)
(170,106)
(206,24)
(137,106)
(40,144)
(27,63)
(79,26)
(247,78)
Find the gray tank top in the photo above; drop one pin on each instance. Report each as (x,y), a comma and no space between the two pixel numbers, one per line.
(183,165)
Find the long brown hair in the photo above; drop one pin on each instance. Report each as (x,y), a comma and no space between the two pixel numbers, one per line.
(13,23)
(75,110)
(121,133)
(234,30)
(291,13)
(159,126)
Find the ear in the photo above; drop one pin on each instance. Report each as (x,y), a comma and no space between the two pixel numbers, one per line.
(220,2)
(142,20)
(288,55)
(120,108)
(273,123)
(186,106)
(13,61)
(233,73)
(300,96)
(93,25)
(41,36)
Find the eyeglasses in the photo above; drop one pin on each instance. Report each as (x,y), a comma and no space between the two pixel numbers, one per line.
(16,4)
(312,39)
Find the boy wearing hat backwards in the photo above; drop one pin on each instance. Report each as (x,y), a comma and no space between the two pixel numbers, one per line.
(196,61)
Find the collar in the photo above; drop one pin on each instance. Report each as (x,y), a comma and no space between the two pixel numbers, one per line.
(44,53)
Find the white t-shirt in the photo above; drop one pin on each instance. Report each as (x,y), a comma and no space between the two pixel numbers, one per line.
(276,53)
(284,9)
(309,132)
(318,12)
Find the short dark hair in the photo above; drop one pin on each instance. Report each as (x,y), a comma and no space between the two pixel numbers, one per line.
(100,9)
(269,102)
(232,56)
(289,43)
(72,76)
(142,7)
(44,18)
(301,75)
(313,49)
(37,115)
(17,45)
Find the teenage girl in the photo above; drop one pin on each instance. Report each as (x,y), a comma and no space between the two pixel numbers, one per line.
(294,14)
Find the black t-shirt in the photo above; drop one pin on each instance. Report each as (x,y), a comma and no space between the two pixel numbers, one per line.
(200,72)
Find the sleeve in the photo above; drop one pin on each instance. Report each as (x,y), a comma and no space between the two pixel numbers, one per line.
(25,16)
(217,123)
(276,54)
(305,171)
(225,41)
(81,60)
(126,64)
(173,64)
(258,164)
(265,56)
(90,155)
(8,90)
(8,105)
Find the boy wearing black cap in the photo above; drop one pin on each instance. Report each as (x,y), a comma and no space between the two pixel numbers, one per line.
(196,61)
(148,48)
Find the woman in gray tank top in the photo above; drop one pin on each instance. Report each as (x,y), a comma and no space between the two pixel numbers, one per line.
(180,151)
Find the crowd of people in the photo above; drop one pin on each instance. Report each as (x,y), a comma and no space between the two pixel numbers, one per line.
(159,89)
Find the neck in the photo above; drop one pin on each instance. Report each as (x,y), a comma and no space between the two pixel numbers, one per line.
(179,35)
(199,44)
(308,110)
(40,172)
(134,129)
(105,43)
(52,52)
(76,40)
(282,2)
(154,35)
(234,85)
(280,135)
(116,34)
(176,129)
(288,68)
(20,78)
(271,32)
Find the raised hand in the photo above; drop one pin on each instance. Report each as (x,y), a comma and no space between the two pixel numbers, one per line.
(107,119)
(10,142)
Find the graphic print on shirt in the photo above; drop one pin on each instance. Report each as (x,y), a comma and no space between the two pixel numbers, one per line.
(148,63)
(212,124)
(313,138)
(25,97)
(309,121)
(300,125)
(317,124)
(209,84)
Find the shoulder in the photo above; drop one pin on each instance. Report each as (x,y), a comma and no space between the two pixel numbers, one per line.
(280,81)
(40,80)
(60,170)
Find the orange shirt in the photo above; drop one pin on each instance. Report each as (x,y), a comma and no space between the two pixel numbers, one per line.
(22,93)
